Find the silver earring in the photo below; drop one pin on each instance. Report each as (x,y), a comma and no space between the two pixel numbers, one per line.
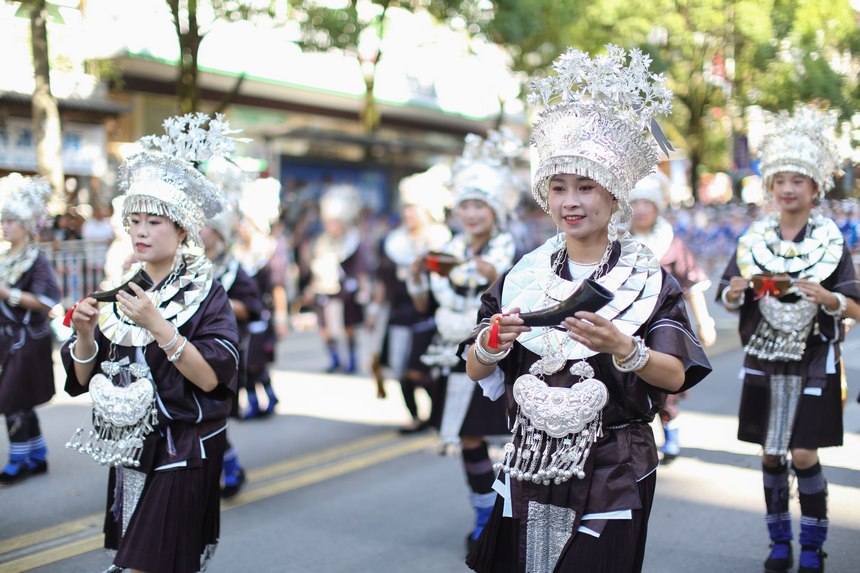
(177,259)
(612,229)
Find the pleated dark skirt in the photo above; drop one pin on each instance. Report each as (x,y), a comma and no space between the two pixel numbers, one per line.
(177,522)
(261,349)
(818,423)
(485,417)
(619,549)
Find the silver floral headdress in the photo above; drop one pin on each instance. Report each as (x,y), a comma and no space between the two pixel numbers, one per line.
(429,191)
(485,172)
(230,178)
(803,142)
(598,121)
(163,179)
(261,202)
(25,199)
(653,188)
(341,202)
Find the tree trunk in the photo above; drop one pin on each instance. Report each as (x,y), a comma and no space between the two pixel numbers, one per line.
(188,34)
(230,96)
(695,161)
(370,117)
(46,117)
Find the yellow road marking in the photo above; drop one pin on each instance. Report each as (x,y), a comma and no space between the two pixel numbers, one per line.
(53,532)
(328,472)
(53,555)
(93,542)
(317,458)
(97,519)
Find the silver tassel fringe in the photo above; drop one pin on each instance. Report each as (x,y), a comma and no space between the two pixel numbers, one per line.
(541,458)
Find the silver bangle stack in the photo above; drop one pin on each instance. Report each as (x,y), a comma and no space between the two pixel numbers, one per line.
(840,310)
(485,357)
(72,347)
(636,360)
(14,298)
(178,354)
(173,340)
(732,305)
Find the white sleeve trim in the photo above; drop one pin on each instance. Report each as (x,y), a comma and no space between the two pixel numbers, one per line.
(493,386)
(619,514)
(171,466)
(676,325)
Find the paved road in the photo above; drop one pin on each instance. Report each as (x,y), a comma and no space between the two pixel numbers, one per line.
(333,488)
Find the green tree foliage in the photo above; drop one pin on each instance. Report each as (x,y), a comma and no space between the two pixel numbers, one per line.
(718,55)
(357,28)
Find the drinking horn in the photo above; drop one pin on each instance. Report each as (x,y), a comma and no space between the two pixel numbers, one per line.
(589,296)
(140,278)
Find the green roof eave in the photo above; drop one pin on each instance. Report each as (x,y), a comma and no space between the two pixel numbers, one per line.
(306,88)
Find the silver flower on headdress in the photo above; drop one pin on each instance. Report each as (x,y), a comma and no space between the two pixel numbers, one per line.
(163,179)
(803,142)
(598,121)
(484,172)
(25,199)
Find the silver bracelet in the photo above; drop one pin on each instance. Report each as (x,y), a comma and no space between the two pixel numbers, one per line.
(176,355)
(632,353)
(732,305)
(172,340)
(639,359)
(72,347)
(14,298)
(486,357)
(840,310)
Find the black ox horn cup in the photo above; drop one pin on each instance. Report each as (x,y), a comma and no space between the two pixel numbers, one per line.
(140,278)
(589,296)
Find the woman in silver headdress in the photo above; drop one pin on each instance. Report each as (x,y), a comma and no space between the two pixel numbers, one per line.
(258,252)
(485,195)
(241,289)
(340,282)
(648,200)
(409,329)
(792,281)
(28,291)
(160,360)
(578,477)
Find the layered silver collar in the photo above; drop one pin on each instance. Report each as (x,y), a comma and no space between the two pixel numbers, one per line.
(225,270)
(658,239)
(499,253)
(177,301)
(14,265)
(635,279)
(342,248)
(761,250)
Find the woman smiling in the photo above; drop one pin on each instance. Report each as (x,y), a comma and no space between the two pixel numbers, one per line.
(577,481)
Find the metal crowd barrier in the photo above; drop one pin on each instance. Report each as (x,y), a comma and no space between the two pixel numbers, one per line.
(79,266)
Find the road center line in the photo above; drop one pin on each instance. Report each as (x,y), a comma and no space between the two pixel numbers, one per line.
(393,446)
